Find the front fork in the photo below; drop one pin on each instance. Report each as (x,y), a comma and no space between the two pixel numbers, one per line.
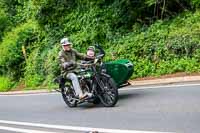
(99,83)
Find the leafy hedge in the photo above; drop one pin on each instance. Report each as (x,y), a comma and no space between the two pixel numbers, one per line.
(12,57)
(165,47)
(5,84)
(158,37)
(4,22)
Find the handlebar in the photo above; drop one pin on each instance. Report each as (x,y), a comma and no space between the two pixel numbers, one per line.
(99,56)
(101,51)
(85,65)
(89,63)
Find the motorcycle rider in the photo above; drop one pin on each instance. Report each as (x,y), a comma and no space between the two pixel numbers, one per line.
(68,57)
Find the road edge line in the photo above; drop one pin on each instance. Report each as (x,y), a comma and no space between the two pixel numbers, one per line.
(76,128)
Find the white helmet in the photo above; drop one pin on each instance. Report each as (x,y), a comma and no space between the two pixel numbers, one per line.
(65,41)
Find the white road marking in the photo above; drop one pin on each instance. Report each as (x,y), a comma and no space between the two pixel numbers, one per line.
(22,130)
(160,86)
(36,94)
(75,128)
(122,89)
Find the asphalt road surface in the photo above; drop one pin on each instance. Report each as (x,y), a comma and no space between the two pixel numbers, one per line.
(147,109)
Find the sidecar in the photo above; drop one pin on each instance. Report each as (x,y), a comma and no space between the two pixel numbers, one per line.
(120,71)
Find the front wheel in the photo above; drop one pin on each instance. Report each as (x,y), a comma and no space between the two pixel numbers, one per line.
(68,96)
(108,91)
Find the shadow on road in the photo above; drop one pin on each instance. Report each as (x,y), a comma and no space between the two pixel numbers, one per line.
(122,97)
(128,96)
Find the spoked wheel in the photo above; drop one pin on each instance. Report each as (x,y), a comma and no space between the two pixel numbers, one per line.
(109,92)
(68,96)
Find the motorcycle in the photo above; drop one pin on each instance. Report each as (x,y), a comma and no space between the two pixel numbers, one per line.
(93,79)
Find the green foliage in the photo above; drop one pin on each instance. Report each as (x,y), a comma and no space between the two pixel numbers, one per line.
(12,57)
(34,73)
(183,45)
(90,28)
(4,22)
(165,47)
(50,12)
(195,3)
(5,84)
(51,65)
(159,37)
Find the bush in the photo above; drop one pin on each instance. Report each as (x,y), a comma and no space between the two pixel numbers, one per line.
(195,3)
(34,72)
(158,37)
(164,47)
(4,22)
(5,84)
(12,56)
(51,65)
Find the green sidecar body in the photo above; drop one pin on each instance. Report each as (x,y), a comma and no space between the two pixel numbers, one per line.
(120,70)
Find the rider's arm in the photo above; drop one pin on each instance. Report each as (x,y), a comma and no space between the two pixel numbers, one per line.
(64,63)
(80,55)
(83,57)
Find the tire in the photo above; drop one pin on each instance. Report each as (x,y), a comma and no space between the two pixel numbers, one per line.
(68,95)
(109,94)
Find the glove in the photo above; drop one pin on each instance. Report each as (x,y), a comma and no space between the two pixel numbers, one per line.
(67,64)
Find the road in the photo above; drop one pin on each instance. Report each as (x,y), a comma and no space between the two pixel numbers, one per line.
(171,108)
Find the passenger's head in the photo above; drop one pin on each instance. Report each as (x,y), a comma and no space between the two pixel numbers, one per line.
(91,51)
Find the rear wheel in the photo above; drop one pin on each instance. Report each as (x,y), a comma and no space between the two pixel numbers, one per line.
(109,92)
(68,96)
